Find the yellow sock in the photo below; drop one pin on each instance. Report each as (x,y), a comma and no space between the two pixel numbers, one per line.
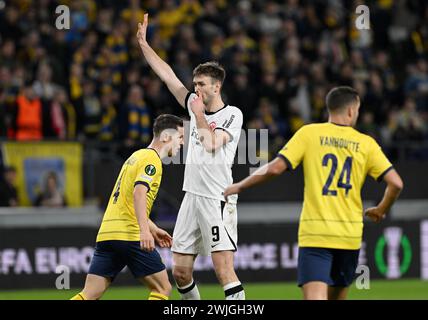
(79,296)
(157,296)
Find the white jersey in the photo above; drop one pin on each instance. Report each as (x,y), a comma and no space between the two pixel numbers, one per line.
(208,174)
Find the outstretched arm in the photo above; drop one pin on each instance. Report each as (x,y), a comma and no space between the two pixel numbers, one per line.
(160,67)
(263,174)
(392,191)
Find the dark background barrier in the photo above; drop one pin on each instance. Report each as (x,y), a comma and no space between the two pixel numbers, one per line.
(267,253)
(290,183)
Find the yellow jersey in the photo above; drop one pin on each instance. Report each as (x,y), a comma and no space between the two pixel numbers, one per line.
(120,222)
(336,160)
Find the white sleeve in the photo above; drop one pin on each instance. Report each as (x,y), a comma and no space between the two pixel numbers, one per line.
(189,98)
(232,123)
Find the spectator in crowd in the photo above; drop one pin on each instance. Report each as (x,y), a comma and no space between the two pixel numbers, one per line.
(417,84)
(92,112)
(108,130)
(290,52)
(28,115)
(368,125)
(241,94)
(8,52)
(267,117)
(8,192)
(43,86)
(3,117)
(62,116)
(51,195)
(410,125)
(136,114)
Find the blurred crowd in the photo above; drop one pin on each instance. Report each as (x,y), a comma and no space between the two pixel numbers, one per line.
(47,195)
(281,57)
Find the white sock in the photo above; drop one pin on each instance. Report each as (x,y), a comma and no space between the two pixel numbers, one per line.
(189,291)
(234,291)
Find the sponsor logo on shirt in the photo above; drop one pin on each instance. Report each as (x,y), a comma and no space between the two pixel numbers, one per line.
(230,121)
(147,178)
(195,135)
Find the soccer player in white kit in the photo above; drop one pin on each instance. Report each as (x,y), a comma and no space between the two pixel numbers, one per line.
(206,224)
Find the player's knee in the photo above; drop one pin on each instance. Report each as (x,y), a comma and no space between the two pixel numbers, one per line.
(315,291)
(182,276)
(314,296)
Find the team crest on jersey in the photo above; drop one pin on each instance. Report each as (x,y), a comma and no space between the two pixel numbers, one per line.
(150,169)
(213,125)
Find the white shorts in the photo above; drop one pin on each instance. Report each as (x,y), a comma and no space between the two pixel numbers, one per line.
(205,225)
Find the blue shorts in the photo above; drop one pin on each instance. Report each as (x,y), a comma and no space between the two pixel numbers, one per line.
(336,267)
(111,256)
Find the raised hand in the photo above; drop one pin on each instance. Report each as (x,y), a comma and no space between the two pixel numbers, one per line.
(142,30)
(197,106)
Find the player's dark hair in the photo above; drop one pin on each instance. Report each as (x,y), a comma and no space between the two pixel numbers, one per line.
(212,69)
(340,97)
(166,121)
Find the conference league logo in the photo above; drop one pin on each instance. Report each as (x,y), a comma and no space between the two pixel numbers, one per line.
(393,253)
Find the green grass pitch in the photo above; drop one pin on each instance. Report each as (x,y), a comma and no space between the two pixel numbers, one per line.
(379,290)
